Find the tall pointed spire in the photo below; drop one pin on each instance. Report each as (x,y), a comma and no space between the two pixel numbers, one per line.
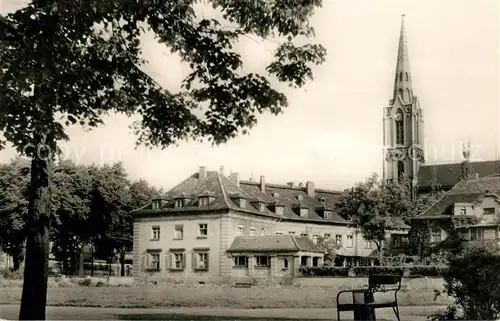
(402,79)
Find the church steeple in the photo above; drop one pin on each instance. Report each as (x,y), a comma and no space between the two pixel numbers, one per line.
(402,78)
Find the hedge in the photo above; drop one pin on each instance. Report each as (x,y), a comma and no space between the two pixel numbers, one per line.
(411,271)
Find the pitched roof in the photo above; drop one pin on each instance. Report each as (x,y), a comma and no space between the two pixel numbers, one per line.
(465,191)
(447,175)
(224,189)
(277,243)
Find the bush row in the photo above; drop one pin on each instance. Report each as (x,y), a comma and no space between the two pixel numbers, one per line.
(411,271)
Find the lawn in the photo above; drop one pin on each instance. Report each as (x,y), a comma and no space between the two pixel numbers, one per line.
(162,296)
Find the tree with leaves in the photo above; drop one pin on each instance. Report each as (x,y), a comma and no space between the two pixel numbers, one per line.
(330,246)
(374,208)
(14,181)
(68,62)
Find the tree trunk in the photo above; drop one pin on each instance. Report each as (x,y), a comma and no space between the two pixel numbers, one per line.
(34,295)
(122,262)
(379,249)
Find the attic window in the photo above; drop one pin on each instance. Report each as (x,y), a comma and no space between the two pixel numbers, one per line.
(322,200)
(279,210)
(328,215)
(304,212)
(156,204)
(180,202)
(204,201)
(489,211)
(262,207)
(300,197)
(276,195)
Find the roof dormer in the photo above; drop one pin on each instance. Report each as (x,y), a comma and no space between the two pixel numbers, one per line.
(325,212)
(206,198)
(301,209)
(277,206)
(182,200)
(239,199)
(259,204)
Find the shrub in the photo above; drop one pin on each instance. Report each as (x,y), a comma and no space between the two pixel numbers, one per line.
(472,279)
(9,274)
(85,282)
(99,284)
(415,271)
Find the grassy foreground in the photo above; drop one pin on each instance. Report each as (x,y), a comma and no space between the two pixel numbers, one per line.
(207,296)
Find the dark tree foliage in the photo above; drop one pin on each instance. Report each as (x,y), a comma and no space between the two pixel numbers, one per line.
(71,61)
(14,179)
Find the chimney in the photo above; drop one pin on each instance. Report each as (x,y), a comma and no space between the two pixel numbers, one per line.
(222,171)
(235,177)
(262,184)
(202,174)
(310,189)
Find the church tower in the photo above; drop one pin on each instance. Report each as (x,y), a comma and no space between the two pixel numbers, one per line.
(403,123)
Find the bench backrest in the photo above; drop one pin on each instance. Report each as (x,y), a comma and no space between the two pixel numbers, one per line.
(383,280)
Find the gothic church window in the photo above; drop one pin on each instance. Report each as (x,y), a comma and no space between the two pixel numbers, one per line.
(400,76)
(407,77)
(401,170)
(399,128)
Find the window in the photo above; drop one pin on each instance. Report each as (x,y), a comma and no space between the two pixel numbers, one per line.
(204,201)
(338,239)
(304,234)
(397,241)
(407,77)
(400,134)
(436,236)
(463,211)
(350,241)
(315,239)
(476,234)
(180,202)
(285,264)
(400,76)
(368,244)
(243,203)
(279,233)
(241,230)
(155,261)
(252,231)
(155,233)
(279,210)
(156,204)
(489,211)
(202,230)
(262,207)
(262,231)
(240,261)
(328,215)
(490,234)
(401,171)
(304,212)
(262,261)
(291,233)
(328,236)
(200,260)
(464,235)
(178,232)
(322,200)
(178,261)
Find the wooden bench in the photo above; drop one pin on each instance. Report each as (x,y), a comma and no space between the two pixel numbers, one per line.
(363,302)
(243,285)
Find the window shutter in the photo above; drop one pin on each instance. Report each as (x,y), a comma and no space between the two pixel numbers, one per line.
(194,261)
(168,263)
(183,260)
(148,259)
(208,260)
(143,263)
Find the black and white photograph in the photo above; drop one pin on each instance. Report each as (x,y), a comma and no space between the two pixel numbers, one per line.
(250,160)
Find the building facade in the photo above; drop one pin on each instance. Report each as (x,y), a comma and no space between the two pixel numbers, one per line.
(214,226)
(468,215)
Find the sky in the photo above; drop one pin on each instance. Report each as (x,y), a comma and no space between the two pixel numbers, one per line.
(332,131)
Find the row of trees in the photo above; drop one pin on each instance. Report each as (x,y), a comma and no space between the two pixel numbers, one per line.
(90,206)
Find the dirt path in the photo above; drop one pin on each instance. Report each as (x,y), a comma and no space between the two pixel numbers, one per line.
(10,312)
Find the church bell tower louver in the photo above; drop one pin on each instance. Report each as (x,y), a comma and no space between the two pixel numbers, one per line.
(403,123)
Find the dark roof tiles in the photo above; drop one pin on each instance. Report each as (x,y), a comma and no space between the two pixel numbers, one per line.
(278,243)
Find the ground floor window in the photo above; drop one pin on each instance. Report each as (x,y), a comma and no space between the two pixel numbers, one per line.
(285,263)
(200,260)
(240,261)
(262,261)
